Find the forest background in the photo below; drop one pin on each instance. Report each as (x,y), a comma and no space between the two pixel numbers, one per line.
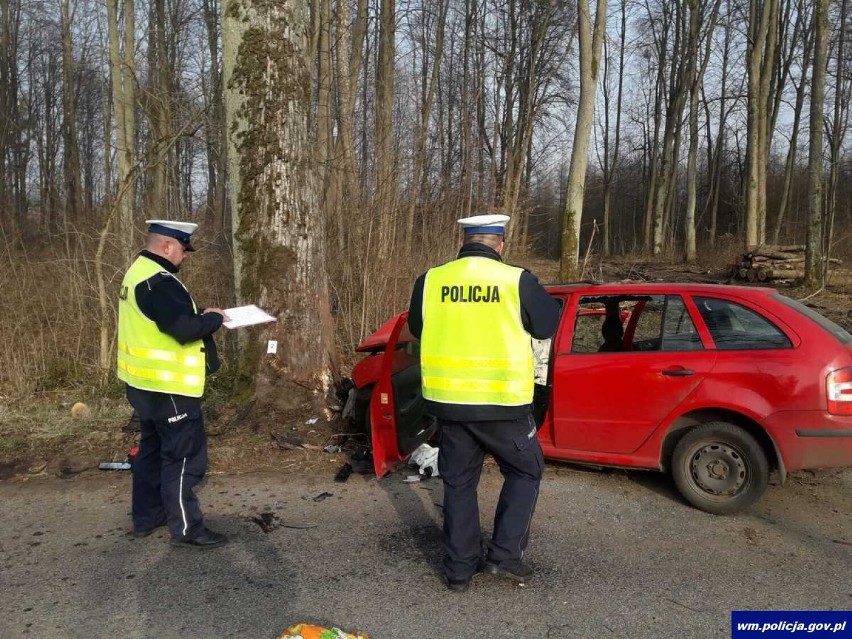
(326,148)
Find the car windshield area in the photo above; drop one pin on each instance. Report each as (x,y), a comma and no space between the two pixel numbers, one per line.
(734,327)
(623,323)
(844,336)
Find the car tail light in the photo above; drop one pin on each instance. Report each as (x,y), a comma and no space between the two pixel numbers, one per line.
(838,386)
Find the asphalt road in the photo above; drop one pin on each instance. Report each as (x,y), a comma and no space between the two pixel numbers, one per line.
(617,555)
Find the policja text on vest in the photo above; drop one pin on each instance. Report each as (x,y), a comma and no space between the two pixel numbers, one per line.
(470,293)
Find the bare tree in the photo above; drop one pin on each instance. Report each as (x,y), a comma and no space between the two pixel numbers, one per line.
(611,153)
(762,40)
(71,163)
(702,23)
(814,248)
(590,50)
(716,151)
(680,69)
(385,156)
(836,133)
(428,90)
(790,162)
(13,187)
(158,98)
(123,74)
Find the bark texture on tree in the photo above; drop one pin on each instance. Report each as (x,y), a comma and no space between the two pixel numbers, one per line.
(217,161)
(277,223)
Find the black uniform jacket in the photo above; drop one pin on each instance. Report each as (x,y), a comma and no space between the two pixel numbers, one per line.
(164,300)
(540,316)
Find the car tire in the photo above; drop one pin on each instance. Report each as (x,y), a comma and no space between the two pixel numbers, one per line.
(720,468)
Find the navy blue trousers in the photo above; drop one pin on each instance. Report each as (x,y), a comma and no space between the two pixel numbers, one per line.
(172,459)
(515,447)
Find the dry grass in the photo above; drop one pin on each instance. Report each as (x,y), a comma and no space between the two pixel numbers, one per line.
(50,317)
(42,427)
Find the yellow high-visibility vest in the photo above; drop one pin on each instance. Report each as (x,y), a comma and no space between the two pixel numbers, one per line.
(474,347)
(148,358)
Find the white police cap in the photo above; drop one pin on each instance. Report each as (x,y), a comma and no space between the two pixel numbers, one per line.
(181,231)
(494,224)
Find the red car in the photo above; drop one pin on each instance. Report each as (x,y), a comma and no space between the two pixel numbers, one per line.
(718,385)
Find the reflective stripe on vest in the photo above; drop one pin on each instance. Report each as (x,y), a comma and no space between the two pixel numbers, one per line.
(474,347)
(148,358)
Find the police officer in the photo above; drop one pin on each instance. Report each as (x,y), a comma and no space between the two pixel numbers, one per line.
(165,351)
(475,316)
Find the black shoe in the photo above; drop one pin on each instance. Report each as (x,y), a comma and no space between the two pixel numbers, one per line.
(207,539)
(518,573)
(458,585)
(139,534)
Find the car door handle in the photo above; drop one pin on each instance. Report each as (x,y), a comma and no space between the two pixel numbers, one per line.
(679,372)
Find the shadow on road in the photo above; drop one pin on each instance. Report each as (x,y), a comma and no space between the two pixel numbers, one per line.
(421,522)
(218,592)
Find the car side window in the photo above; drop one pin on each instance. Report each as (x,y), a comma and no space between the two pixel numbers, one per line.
(665,324)
(599,325)
(679,332)
(649,324)
(735,327)
(662,323)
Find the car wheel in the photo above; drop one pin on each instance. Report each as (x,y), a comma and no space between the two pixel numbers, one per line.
(720,468)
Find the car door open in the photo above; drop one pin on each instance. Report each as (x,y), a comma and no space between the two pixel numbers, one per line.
(398,420)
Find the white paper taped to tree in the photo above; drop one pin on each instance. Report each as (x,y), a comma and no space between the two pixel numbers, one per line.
(250,315)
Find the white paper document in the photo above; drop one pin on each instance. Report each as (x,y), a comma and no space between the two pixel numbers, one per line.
(246,316)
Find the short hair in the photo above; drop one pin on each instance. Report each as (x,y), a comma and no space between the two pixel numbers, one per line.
(489,239)
(157,239)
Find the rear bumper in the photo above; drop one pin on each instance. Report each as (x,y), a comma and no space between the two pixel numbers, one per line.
(811,439)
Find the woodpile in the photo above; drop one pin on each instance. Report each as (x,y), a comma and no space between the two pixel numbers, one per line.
(772,262)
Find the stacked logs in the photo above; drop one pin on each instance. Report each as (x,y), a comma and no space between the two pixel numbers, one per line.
(772,262)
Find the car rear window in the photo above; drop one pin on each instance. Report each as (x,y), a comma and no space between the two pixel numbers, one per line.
(734,327)
(835,329)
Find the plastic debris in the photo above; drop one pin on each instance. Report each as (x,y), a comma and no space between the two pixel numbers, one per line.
(425,457)
(332,448)
(114,466)
(307,631)
(127,464)
(312,420)
(412,479)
